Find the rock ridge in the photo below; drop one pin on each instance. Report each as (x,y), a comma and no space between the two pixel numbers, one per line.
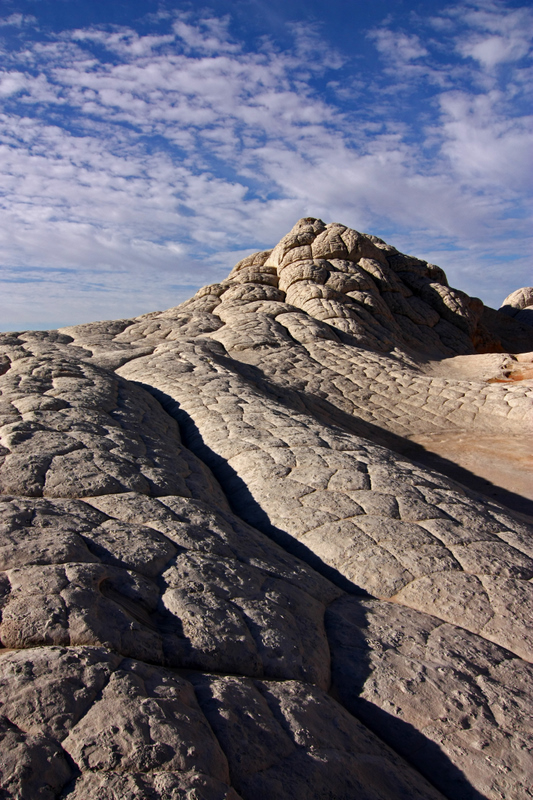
(227,566)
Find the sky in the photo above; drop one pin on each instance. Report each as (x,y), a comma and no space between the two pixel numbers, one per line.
(146,146)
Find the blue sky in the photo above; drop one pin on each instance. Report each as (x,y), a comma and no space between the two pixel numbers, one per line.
(146,146)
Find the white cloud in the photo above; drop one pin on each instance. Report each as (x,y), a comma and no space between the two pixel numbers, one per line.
(494,34)
(486,147)
(209,35)
(492,50)
(398,46)
(11,82)
(17,20)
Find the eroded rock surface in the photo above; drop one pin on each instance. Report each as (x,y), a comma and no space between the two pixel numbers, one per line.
(519,305)
(221,574)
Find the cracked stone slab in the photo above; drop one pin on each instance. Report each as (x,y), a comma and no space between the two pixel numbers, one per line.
(189,587)
(130,729)
(453,704)
(227,568)
(397,553)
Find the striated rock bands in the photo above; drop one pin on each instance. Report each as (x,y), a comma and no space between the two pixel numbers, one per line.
(221,574)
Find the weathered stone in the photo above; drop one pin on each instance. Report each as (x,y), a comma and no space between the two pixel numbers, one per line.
(449,701)
(299,743)
(211,516)
(518,300)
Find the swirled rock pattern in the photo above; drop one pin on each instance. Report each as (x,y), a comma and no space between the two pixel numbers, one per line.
(221,574)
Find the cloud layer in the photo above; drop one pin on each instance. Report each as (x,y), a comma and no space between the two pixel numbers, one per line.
(137,166)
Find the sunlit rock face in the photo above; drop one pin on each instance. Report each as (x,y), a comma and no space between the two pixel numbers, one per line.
(274,542)
(519,305)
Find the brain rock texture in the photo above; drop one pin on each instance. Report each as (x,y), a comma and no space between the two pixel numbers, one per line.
(221,576)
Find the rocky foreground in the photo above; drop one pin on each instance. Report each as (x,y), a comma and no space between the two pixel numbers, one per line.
(221,575)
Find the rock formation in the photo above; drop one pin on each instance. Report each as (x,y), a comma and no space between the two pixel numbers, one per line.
(519,304)
(229,569)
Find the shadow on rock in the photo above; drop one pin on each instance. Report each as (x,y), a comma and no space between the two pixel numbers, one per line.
(329,414)
(353,665)
(348,644)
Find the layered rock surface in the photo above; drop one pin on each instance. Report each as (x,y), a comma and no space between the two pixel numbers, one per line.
(222,575)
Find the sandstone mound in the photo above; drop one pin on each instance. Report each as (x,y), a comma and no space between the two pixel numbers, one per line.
(519,305)
(222,576)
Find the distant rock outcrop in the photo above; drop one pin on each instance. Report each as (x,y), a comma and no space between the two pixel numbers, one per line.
(519,305)
(238,560)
